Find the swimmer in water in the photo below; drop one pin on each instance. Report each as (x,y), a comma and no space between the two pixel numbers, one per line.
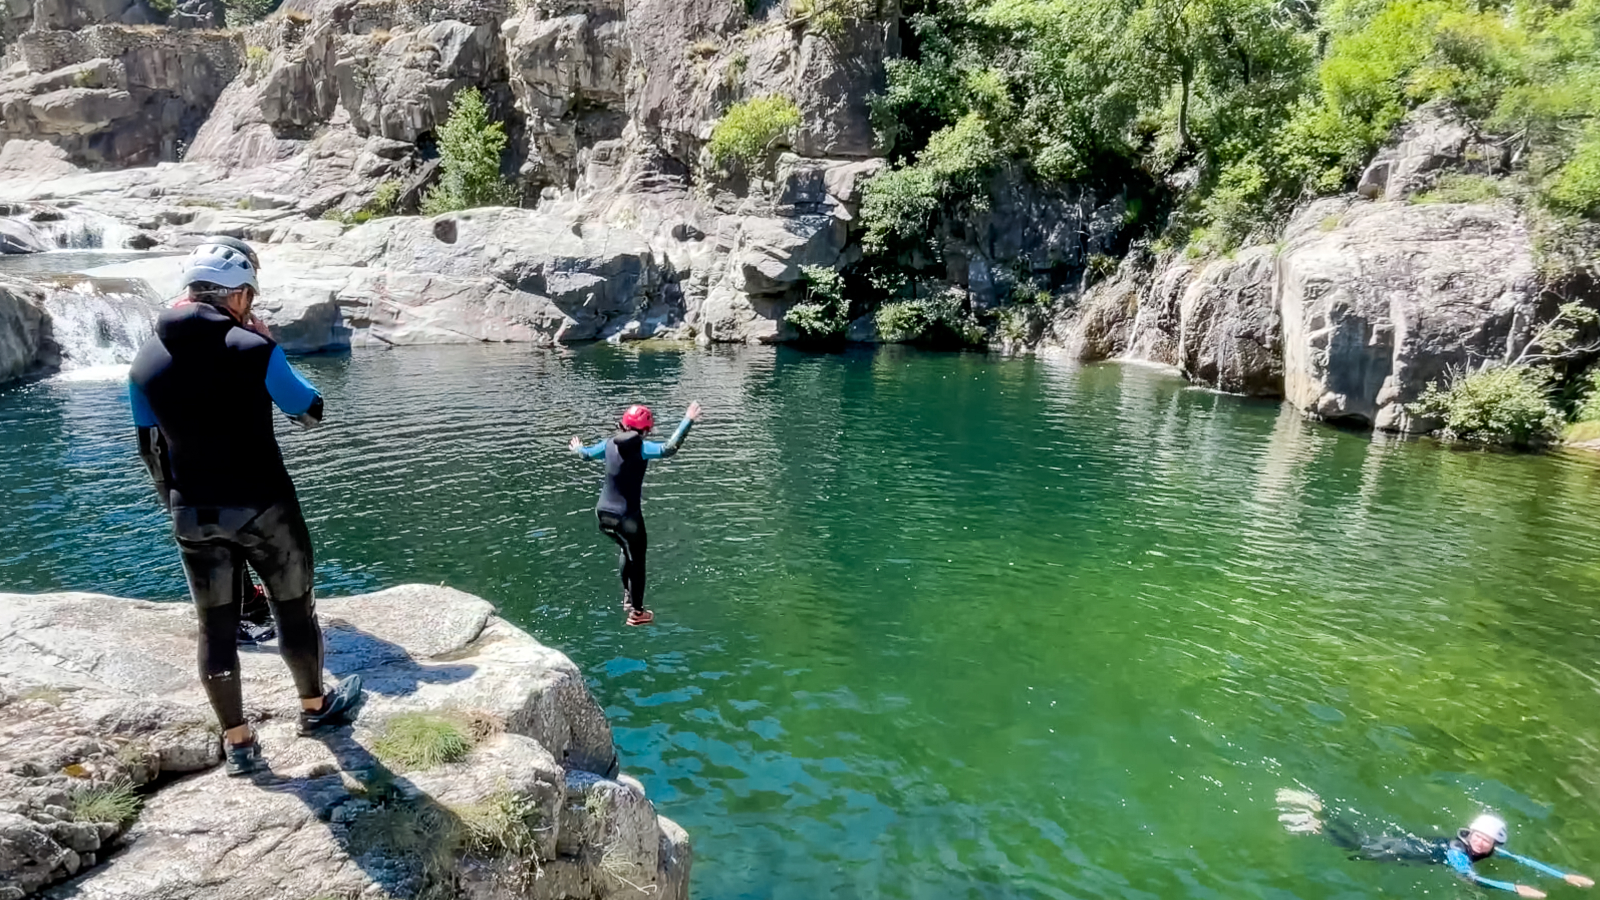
(1301,813)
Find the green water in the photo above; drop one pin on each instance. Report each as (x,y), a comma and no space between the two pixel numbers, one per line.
(942,626)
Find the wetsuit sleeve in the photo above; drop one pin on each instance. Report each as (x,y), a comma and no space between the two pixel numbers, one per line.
(1531,863)
(143,415)
(653,450)
(593,451)
(1458,860)
(153,450)
(291,392)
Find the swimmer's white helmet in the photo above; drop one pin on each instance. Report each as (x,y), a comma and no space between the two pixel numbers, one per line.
(1493,826)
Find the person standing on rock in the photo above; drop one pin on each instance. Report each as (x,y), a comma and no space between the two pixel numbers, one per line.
(255,614)
(206,384)
(620,510)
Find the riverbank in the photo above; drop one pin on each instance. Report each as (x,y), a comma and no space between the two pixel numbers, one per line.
(111,756)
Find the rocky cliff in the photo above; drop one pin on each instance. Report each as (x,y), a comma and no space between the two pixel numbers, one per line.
(634,234)
(109,785)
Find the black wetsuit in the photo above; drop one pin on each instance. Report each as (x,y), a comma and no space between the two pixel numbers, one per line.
(620,509)
(202,392)
(1442,851)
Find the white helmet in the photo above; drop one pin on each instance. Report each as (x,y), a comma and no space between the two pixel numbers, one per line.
(1493,826)
(221,265)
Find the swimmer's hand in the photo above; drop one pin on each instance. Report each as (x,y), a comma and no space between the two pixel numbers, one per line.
(693,414)
(1577,880)
(576,445)
(1531,893)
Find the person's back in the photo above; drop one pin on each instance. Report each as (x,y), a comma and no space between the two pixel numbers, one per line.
(206,379)
(623,490)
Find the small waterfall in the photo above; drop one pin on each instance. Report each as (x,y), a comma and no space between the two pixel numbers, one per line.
(81,229)
(98,324)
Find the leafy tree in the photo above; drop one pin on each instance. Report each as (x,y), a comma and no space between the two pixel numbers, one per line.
(825,313)
(470,146)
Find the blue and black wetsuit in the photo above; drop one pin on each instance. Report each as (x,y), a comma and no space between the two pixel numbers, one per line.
(202,392)
(1445,851)
(620,510)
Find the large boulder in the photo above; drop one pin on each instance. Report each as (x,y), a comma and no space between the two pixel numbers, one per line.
(1380,299)
(22,327)
(1229,331)
(1435,138)
(97,692)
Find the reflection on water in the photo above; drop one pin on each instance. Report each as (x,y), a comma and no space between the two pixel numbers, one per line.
(951,626)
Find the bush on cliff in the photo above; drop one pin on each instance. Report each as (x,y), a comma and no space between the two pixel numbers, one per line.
(750,129)
(1502,405)
(470,145)
(825,314)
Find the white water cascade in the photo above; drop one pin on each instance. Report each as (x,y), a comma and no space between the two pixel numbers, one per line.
(98,324)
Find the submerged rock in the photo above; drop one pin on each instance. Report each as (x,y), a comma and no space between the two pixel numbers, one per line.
(97,692)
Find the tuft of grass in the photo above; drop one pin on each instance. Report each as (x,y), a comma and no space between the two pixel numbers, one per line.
(421,741)
(1328,223)
(43,694)
(1581,433)
(114,802)
(498,826)
(1458,187)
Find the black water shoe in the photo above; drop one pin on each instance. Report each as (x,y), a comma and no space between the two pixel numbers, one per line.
(338,707)
(242,759)
(251,634)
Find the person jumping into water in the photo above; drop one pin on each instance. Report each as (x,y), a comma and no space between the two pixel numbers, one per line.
(620,509)
(1485,837)
(205,386)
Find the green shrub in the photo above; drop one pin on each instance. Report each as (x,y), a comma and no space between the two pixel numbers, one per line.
(899,205)
(825,312)
(1576,187)
(386,198)
(1505,405)
(240,13)
(117,803)
(1589,407)
(940,320)
(420,741)
(470,146)
(1458,187)
(749,130)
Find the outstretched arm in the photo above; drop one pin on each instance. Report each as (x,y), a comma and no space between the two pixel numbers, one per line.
(1569,877)
(1462,864)
(291,392)
(653,450)
(593,451)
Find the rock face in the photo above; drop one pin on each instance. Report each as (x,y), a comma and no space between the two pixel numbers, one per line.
(114,93)
(23,327)
(97,692)
(1393,295)
(1230,334)
(1434,139)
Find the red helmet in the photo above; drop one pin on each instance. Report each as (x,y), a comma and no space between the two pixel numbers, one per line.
(638,418)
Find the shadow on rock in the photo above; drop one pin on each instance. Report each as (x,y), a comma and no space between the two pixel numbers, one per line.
(386,668)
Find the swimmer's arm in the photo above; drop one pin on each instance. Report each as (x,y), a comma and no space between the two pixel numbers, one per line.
(653,450)
(1531,863)
(593,451)
(291,392)
(1463,866)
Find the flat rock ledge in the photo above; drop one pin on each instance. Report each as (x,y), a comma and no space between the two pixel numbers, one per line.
(100,706)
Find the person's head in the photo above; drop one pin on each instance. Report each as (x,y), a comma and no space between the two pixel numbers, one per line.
(637,418)
(1484,834)
(222,240)
(222,276)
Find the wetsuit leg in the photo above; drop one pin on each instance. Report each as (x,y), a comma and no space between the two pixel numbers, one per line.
(628,531)
(278,546)
(213,566)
